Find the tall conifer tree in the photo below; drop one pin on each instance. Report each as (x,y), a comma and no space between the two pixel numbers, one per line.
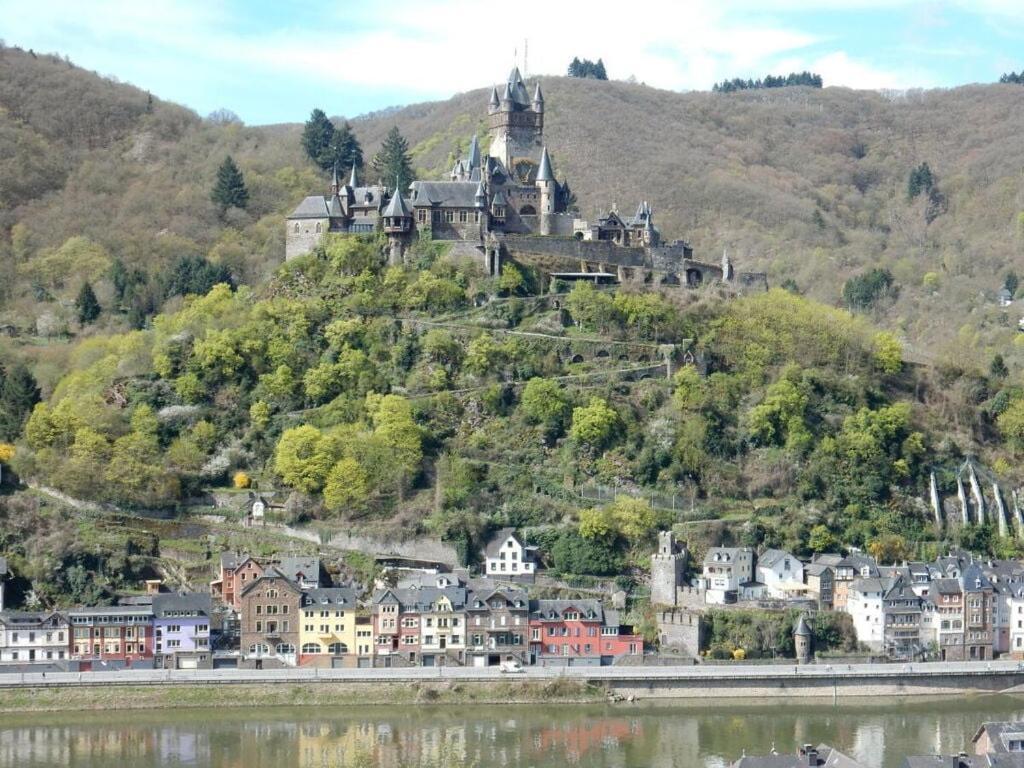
(229,190)
(393,161)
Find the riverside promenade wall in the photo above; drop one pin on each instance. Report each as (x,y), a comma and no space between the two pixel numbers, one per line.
(754,682)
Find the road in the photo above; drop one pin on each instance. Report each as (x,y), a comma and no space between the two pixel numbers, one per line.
(637,674)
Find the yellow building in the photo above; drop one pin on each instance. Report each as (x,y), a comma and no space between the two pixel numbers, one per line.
(327,631)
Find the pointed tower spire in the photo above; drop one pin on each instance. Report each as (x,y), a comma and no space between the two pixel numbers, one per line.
(481,195)
(474,153)
(396,207)
(494,103)
(352,181)
(544,172)
(538,97)
(335,185)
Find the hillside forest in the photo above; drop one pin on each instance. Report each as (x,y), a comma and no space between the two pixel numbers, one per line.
(154,345)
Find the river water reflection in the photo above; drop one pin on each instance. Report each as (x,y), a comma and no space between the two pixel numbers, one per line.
(659,736)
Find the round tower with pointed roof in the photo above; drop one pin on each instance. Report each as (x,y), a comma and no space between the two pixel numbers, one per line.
(803,640)
(547,187)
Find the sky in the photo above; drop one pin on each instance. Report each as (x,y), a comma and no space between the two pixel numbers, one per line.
(273,61)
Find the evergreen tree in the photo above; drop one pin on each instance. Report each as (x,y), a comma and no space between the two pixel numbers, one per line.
(393,161)
(575,67)
(18,395)
(599,71)
(87,305)
(344,150)
(317,137)
(1011,282)
(230,191)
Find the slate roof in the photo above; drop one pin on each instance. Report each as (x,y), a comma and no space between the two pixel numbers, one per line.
(273,572)
(544,172)
(396,207)
(334,209)
(1000,733)
(818,569)
(873,584)
(337,596)
(178,603)
(828,558)
(552,610)
(495,543)
(827,757)
(901,590)
(446,194)
(974,579)
(733,554)
(312,207)
(945,587)
(28,619)
(801,629)
(772,556)
(291,567)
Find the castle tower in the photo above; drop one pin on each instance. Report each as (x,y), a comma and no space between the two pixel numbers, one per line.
(516,125)
(336,208)
(803,640)
(547,187)
(397,225)
(667,567)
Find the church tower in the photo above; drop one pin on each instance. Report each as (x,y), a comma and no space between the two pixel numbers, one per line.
(516,124)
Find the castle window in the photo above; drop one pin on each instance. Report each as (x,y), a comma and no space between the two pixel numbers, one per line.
(476,216)
(449,216)
(463,216)
(296,227)
(421,216)
(318,227)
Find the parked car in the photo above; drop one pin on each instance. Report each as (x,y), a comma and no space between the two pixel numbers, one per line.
(512,666)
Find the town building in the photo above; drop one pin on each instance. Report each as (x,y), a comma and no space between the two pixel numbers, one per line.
(498,625)
(819,576)
(902,609)
(119,635)
(506,557)
(28,637)
(864,602)
(396,636)
(181,630)
(781,574)
(270,618)
(575,633)
(978,602)
(725,570)
(236,573)
(327,632)
(943,619)
(807,756)
(999,738)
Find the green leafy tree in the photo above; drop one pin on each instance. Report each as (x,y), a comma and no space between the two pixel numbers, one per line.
(821,539)
(229,190)
(594,424)
(303,458)
(87,305)
(393,161)
(888,353)
(544,402)
(347,486)
(1011,422)
(861,292)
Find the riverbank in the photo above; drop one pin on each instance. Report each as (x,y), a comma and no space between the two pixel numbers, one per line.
(102,698)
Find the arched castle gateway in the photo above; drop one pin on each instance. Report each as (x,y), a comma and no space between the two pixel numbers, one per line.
(497,204)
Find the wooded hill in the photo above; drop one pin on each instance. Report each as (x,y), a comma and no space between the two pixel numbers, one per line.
(809,429)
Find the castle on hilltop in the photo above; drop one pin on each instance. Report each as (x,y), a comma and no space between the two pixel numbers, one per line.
(507,204)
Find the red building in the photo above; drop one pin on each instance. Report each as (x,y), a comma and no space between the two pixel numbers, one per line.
(119,634)
(236,573)
(578,632)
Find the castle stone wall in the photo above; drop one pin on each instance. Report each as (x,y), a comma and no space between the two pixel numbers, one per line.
(306,239)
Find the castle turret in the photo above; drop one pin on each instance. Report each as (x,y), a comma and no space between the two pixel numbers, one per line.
(516,125)
(397,224)
(538,99)
(548,187)
(493,105)
(803,640)
(473,158)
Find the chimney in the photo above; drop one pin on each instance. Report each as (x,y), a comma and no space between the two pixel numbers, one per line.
(810,755)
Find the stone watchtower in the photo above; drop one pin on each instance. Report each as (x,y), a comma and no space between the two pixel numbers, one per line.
(516,123)
(547,187)
(667,567)
(803,641)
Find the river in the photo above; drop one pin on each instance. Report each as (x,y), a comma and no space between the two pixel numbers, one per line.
(596,736)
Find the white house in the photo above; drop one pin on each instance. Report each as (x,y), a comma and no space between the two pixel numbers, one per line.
(781,573)
(33,637)
(864,604)
(1016,618)
(725,569)
(506,557)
